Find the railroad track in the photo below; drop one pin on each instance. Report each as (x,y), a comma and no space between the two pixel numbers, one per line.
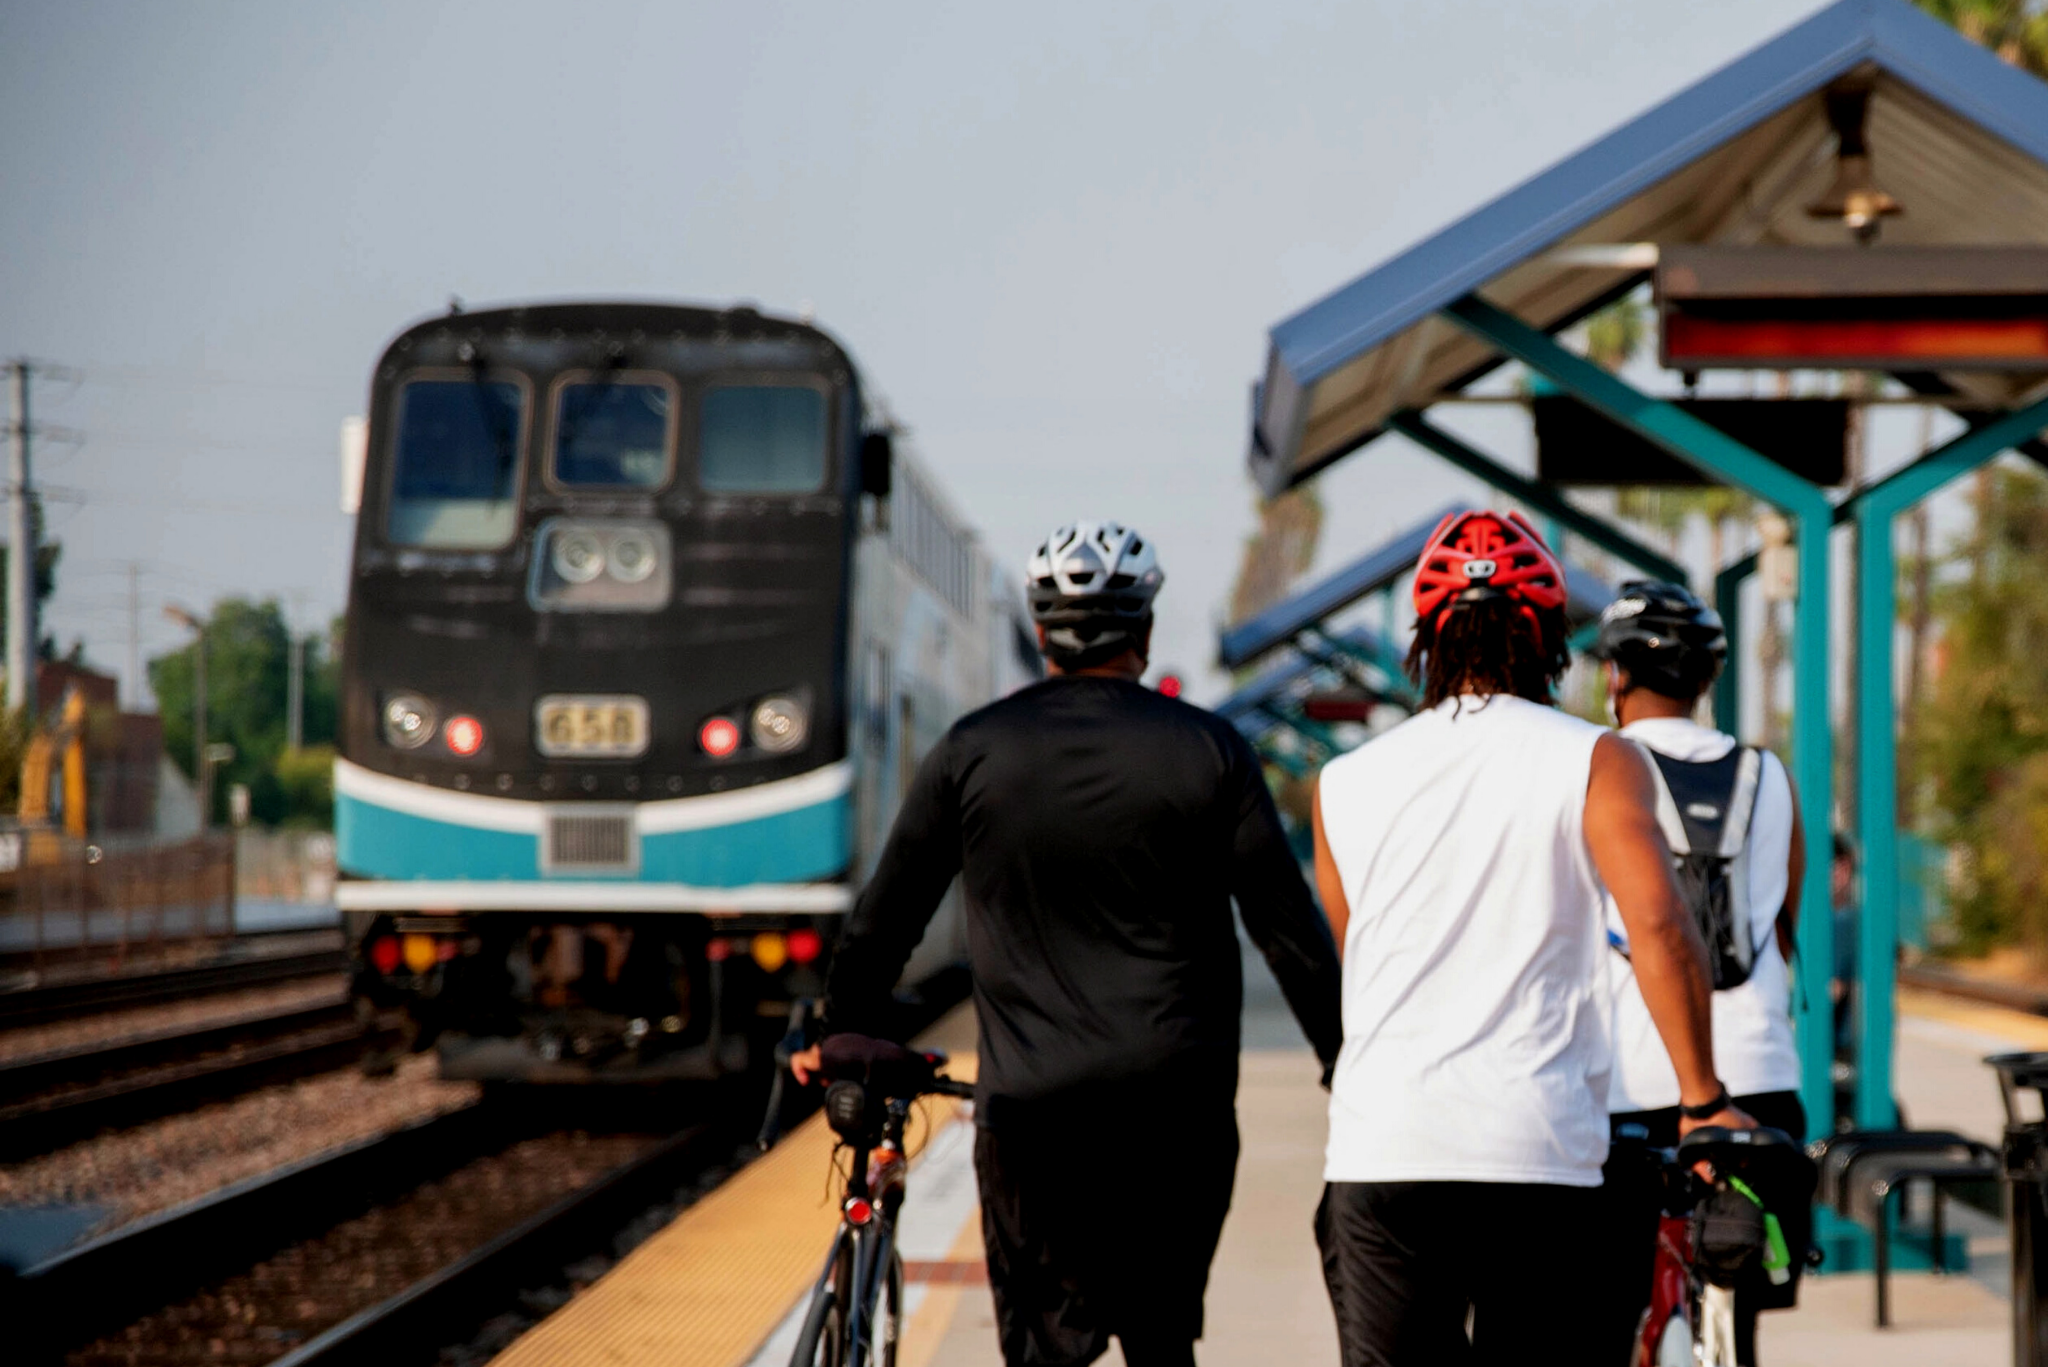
(62,1000)
(388,1250)
(380,1252)
(50,1099)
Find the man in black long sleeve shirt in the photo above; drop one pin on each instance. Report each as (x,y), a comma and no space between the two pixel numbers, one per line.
(1101,831)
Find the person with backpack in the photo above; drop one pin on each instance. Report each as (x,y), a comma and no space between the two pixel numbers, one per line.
(1732,820)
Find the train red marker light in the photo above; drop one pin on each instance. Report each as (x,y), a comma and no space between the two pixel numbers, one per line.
(858,1211)
(384,954)
(805,945)
(718,951)
(720,737)
(465,735)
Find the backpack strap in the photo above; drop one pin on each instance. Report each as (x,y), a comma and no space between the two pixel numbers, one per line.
(1668,815)
(1742,802)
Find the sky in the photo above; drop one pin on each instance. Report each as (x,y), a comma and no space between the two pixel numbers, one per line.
(1053,235)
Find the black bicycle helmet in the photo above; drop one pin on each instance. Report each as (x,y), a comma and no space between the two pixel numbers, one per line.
(1663,637)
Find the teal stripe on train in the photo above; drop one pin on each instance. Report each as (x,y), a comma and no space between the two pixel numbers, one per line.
(809,843)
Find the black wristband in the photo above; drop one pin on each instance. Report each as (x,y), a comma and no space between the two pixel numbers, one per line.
(1719,1104)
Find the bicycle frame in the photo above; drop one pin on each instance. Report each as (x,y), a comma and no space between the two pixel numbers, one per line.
(862,1268)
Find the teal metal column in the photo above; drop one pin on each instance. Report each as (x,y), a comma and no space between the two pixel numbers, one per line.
(1543,499)
(1876,722)
(1708,449)
(1728,602)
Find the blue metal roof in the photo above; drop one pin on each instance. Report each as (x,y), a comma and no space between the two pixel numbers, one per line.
(1586,594)
(1370,573)
(1904,43)
(1274,684)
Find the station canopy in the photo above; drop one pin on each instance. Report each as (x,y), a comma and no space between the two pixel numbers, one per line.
(1957,137)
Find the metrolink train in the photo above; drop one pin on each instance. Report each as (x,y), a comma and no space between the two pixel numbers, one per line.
(649,622)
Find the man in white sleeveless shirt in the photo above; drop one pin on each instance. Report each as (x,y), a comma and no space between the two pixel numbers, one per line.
(1733,814)
(1461,858)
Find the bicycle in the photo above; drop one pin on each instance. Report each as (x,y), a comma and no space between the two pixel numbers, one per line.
(1715,1233)
(855,1312)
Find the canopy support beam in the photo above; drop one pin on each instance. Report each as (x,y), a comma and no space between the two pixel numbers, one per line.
(1877,736)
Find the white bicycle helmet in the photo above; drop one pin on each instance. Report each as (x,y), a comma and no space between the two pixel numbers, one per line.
(1091,586)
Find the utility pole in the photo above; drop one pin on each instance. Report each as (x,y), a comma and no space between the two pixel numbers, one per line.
(21,554)
(135,636)
(295,693)
(295,677)
(202,767)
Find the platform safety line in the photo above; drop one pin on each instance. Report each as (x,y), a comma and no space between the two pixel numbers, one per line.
(707,1290)
(933,1319)
(2020,1029)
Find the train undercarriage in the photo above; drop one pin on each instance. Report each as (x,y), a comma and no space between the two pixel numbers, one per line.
(555,997)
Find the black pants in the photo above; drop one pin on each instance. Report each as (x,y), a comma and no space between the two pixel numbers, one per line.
(1407,1261)
(1100,1214)
(1630,1200)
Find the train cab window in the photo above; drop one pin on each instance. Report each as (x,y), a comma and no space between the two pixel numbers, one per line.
(762,439)
(455,464)
(612,435)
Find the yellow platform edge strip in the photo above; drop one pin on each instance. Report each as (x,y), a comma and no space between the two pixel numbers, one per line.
(708,1290)
(2026,1031)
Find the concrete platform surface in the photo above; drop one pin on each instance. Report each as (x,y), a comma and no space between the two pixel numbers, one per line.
(721,1286)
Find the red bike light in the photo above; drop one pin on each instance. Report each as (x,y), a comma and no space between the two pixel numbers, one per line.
(720,737)
(465,735)
(384,954)
(859,1211)
(804,946)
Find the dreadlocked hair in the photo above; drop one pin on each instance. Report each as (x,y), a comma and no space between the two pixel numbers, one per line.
(1490,647)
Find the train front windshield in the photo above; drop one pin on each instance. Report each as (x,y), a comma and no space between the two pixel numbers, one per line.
(603,567)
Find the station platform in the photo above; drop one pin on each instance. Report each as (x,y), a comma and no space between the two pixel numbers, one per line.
(722,1285)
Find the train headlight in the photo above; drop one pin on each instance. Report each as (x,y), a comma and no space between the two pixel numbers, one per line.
(579,556)
(632,558)
(779,724)
(408,720)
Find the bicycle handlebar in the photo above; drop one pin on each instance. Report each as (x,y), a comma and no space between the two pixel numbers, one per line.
(796,1040)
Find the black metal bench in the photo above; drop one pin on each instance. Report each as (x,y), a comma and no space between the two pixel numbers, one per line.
(1861,1169)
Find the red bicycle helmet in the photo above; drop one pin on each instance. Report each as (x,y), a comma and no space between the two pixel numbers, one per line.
(1478,555)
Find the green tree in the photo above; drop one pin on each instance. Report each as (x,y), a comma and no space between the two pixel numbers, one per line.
(247,665)
(1981,737)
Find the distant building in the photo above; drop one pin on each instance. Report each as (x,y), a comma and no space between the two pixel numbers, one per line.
(124,751)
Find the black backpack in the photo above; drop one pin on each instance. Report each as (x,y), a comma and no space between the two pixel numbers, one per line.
(1705,808)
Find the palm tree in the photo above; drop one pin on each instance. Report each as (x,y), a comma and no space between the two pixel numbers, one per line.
(2017,30)
(1279,552)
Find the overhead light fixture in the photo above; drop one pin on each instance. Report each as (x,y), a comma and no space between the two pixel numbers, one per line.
(1855,198)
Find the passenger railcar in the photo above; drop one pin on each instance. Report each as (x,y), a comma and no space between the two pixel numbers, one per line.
(648,624)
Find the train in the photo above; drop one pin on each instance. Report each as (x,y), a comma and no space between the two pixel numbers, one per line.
(650,619)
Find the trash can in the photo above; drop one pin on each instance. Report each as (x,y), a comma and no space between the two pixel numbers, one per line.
(2026,1199)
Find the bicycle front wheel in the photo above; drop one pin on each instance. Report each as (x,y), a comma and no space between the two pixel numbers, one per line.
(890,1330)
(826,1339)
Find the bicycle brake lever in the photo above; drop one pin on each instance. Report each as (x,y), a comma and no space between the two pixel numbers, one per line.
(791,1044)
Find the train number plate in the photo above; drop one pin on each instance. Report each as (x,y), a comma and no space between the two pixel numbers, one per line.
(590,726)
